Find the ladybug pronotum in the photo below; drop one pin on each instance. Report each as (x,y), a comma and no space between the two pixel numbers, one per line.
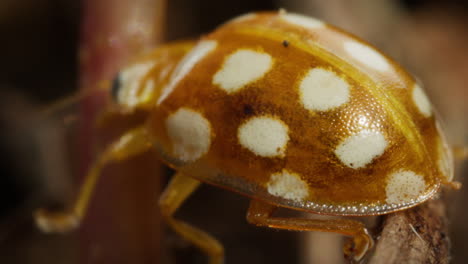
(288,111)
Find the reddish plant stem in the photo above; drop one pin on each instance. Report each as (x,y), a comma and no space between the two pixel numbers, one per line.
(122,224)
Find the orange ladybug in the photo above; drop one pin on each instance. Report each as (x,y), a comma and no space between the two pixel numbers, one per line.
(289,111)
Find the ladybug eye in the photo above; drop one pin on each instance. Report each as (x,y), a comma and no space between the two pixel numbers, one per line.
(115,88)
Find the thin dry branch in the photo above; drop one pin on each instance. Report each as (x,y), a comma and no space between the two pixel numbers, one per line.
(417,235)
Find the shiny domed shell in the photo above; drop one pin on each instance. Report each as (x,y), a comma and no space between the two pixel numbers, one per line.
(325,123)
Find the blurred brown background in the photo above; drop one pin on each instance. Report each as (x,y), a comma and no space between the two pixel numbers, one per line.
(39,64)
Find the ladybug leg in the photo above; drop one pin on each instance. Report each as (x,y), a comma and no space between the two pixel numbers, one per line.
(455,185)
(133,142)
(460,153)
(178,190)
(118,115)
(260,214)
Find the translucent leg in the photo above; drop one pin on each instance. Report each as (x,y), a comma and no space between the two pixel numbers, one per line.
(260,214)
(460,153)
(133,142)
(178,190)
(454,185)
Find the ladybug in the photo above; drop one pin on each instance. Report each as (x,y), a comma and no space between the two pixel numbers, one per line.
(288,111)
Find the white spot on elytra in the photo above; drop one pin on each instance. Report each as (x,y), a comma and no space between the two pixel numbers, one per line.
(403,186)
(264,136)
(186,64)
(243,18)
(190,134)
(367,55)
(421,101)
(360,149)
(147,91)
(323,90)
(288,185)
(445,161)
(241,68)
(130,80)
(302,21)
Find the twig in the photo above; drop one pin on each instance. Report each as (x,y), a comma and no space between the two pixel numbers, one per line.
(417,235)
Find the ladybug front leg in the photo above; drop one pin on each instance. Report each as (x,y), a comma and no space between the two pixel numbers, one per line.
(260,214)
(178,190)
(130,144)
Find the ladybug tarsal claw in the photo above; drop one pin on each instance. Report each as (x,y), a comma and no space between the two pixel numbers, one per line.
(356,248)
(55,222)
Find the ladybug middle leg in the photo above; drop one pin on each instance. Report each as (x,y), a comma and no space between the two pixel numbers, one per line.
(179,189)
(260,214)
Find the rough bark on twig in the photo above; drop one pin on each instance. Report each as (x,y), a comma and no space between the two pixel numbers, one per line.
(417,235)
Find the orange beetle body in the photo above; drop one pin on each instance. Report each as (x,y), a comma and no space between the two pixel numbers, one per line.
(368,143)
(290,112)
